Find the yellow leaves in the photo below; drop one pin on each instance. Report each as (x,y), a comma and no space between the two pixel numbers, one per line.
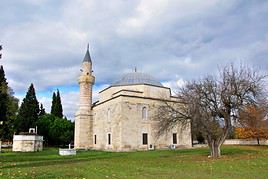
(245,133)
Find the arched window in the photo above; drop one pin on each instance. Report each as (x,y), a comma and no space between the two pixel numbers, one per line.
(144,113)
(109,114)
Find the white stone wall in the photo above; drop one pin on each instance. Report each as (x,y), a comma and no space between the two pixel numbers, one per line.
(126,126)
(102,126)
(245,142)
(144,91)
(27,143)
(133,126)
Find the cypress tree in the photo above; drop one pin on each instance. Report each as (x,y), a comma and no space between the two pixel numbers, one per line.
(42,110)
(53,105)
(56,107)
(3,102)
(28,112)
(0,51)
(59,111)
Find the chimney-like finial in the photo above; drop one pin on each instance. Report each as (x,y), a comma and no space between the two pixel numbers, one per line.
(87,46)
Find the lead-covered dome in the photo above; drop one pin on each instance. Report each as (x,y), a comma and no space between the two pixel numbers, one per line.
(137,78)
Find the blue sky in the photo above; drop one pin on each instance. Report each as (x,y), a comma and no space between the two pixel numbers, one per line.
(45,41)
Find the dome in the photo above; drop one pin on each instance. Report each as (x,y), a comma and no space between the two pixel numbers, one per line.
(137,78)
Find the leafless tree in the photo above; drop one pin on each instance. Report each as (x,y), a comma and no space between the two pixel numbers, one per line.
(213,103)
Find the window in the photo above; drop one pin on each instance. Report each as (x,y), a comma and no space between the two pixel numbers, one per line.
(144,113)
(144,138)
(109,139)
(174,138)
(95,139)
(109,114)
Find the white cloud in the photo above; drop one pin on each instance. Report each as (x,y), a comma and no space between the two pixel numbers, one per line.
(44,41)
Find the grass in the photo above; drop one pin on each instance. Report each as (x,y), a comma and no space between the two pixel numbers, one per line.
(236,162)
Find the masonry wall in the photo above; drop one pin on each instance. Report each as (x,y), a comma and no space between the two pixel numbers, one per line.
(27,143)
(245,142)
(134,126)
(126,126)
(104,124)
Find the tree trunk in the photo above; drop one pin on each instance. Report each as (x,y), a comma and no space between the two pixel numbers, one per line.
(258,140)
(215,149)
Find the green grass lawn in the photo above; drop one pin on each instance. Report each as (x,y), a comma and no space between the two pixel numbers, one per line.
(236,162)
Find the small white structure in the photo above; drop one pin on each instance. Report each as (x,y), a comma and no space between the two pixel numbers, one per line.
(27,143)
(67,151)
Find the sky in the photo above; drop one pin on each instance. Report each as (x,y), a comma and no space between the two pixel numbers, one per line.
(44,41)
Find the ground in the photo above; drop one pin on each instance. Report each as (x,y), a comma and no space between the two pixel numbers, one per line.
(237,162)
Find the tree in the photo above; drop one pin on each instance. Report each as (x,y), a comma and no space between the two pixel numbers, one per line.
(213,103)
(56,131)
(53,105)
(3,103)
(253,122)
(56,107)
(59,111)
(42,110)
(0,51)
(13,106)
(61,131)
(8,108)
(44,123)
(28,112)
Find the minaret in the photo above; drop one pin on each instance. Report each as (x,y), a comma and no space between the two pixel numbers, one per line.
(84,118)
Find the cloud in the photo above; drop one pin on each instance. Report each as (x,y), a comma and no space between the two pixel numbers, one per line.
(44,41)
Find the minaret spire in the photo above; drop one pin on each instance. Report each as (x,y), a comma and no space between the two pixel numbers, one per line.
(87,57)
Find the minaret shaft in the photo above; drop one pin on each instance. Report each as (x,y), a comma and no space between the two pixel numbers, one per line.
(83,117)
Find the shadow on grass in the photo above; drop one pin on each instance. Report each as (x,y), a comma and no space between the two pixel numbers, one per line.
(59,161)
(47,155)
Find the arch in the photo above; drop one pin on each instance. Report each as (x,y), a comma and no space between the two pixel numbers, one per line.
(109,114)
(144,113)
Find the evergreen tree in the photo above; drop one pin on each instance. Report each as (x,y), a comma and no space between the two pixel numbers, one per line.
(28,112)
(0,51)
(59,111)
(56,107)
(53,105)
(3,102)
(42,110)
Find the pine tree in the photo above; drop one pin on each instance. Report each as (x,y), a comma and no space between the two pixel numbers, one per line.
(42,110)
(56,107)
(3,102)
(28,112)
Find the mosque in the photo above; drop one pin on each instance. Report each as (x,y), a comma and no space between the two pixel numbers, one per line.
(122,119)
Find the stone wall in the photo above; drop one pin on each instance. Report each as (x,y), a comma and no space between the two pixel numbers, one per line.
(135,90)
(27,143)
(126,126)
(245,142)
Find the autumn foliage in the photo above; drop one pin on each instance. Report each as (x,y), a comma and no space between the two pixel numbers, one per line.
(254,123)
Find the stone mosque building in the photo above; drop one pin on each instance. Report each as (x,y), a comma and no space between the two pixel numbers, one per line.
(122,118)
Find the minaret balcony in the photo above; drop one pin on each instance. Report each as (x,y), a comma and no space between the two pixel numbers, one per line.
(86,79)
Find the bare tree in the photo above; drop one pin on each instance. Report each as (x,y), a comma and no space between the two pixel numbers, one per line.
(213,103)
